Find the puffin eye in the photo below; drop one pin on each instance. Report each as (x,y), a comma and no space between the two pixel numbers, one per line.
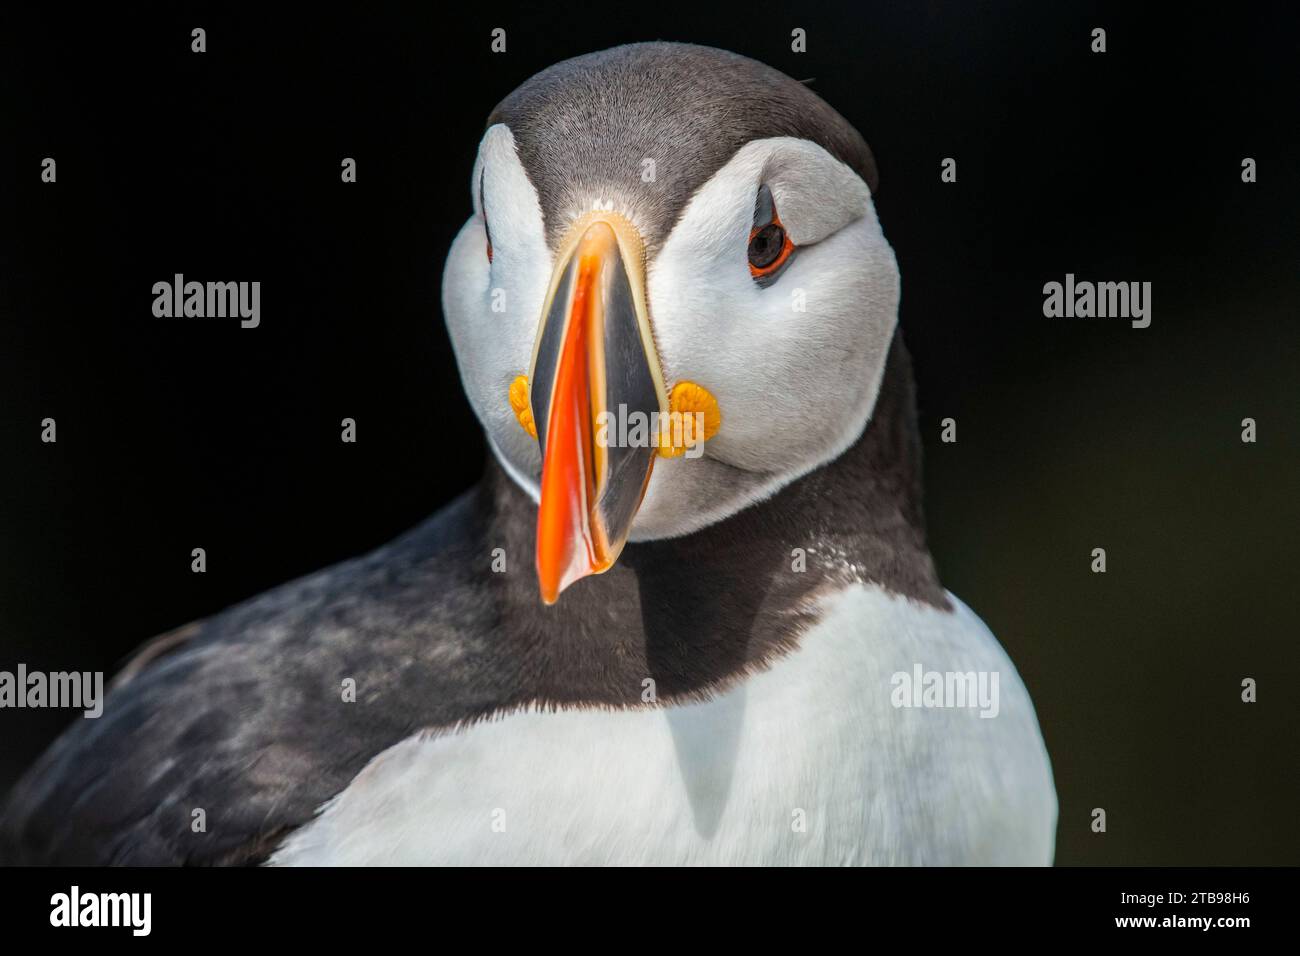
(766,246)
(770,247)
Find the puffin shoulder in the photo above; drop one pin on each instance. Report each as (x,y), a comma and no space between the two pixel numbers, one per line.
(220,738)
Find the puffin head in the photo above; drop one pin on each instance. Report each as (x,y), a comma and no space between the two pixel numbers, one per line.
(673,297)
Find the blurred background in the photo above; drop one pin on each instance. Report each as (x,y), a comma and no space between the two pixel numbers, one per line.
(1072,433)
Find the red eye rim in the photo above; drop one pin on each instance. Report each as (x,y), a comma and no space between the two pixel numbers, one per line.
(489,250)
(787,249)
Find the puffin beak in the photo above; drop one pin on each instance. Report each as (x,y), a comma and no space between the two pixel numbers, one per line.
(594,366)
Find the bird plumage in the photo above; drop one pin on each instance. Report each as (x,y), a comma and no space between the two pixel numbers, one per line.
(725,679)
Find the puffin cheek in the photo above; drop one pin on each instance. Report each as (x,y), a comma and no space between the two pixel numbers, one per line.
(776,382)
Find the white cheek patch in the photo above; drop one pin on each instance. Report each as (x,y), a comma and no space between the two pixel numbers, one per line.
(492,310)
(514,211)
(795,365)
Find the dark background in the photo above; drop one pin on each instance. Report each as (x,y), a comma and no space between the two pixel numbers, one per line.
(1073,434)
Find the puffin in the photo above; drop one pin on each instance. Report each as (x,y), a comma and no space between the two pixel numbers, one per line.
(674,621)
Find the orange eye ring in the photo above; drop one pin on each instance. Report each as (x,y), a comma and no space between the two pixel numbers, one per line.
(770,248)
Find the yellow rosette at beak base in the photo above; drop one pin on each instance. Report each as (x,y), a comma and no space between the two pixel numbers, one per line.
(686,401)
(522,407)
(689,406)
